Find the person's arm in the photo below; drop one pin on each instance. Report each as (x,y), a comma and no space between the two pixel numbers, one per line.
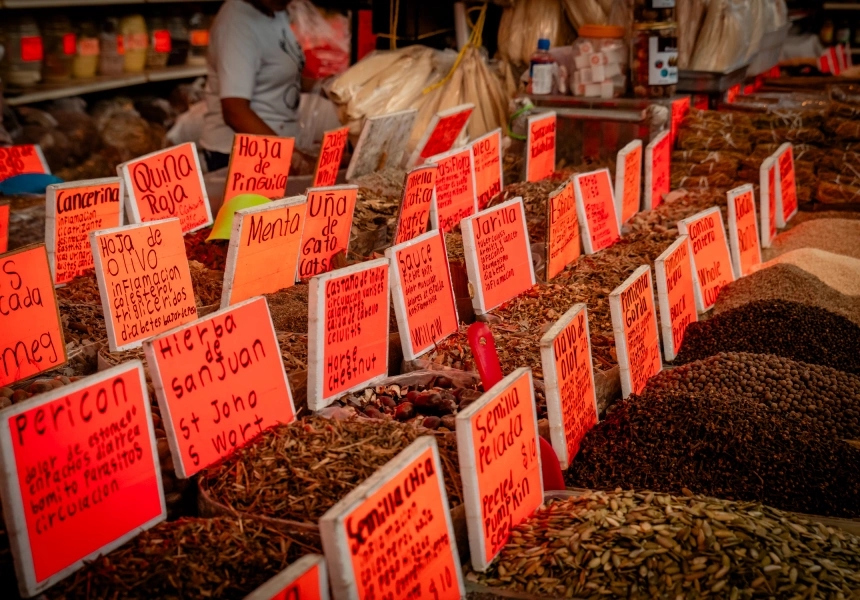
(239,116)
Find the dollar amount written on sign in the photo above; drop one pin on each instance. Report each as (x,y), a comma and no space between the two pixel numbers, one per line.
(328,222)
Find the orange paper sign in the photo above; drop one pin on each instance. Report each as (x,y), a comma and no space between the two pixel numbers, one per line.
(392,536)
(219,382)
(305,579)
(422,293)
(786,184)
(498,254)
(81,474)
(562,233)
(743,230)
(32,337)
(165,184)
(595,206)
(259,164)
(487,154)
(331,153)
(675,294)
(327,226)
(445,127)
(540,146)
(497,447)
(144,281)
(264,249)
(348,331)
(17,160)
(680,109)
(570,396)
(628,181)
(710,255)
(4,227)
(455,189)
(634,324)
(658,161)
(416,203)
(72,211)
(767,185)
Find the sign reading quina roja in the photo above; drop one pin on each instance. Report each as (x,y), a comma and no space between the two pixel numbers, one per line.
(710,255)
(676,294)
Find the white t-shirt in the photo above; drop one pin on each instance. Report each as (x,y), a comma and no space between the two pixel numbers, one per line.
(256,57)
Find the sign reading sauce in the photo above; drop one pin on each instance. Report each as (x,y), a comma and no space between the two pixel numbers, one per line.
(676,294)
(305,579)
(327,225)
(331,153)
(658,158)
(264,249)
(259,164)
(219,382)
(767,186)
(628,181)
(595,206)
(498,254)
(416,203)
(4,227)
(786,198)
(348,331)
(634,323)
(144,281)
(166,184)
(487,153)
(72,211)
(497,447)
(421,290)
(17,160)
(455,189)
(743,230)
(540,146)
(81,474)
(571,401)
(562,235)
(710,255)
(442,133)
(392,536)
(32,336)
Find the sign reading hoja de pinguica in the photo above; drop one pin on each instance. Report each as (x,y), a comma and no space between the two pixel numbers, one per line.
(219,382)
(72,211)
(540,146)
(767,189)
(563,242)
(710,255)
(305,579)
(455,189)
(392,536)
(676,294)
(81,474)
(786,184)
(17,160)
(259,164)
(595,206)
(32,336)
(416,203)
(743,230)
(166,184)
(331,153)
(328,221)
(487,154)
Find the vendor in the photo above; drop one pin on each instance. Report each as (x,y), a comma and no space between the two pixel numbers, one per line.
(254,76)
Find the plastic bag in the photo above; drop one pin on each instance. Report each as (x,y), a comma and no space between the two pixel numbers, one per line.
(690,16)
(724,38)
(526,22)
(585,12)
(325,40)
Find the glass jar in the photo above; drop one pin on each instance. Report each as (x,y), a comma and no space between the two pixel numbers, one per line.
(198,25)
(600,58)
(653,11)
(111,49)
(158,50)
(178,29)
(58,39)
(135,42)
(21,65)
(654,60)
(86,61)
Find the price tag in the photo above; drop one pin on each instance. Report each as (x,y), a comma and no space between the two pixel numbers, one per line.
(88,46)
(634,325)
(628,181)
(442,133)
(331,153)
(219,382)
(4,226)
(17,160)
(675,294)
(540,146)
(498,254)
(81,474)
(487,152)
(72,211)
(348,331)
(382,143)
(680,109)
(144,281)
(786,185)
(416,203)
(563,242)
(658,159)
(455,189)
(595,205)
(497,447)
(32,334)
(199,37)
(710,255)
(161,41)
(743,230)
(259,164)
(392,536)
(32,49)
(422,293)
(767,186)
(571,401)
(327,226)
(167,183)
(305,579)
(264,249)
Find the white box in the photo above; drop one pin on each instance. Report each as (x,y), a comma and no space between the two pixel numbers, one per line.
(585,76)
(582,61)
(598,73)
(607,89)
(614,55)
(598,58)
(612,70)
(584,48)
(592,90)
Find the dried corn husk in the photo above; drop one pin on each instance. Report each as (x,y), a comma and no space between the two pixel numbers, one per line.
(690,16)
(725,35)
(584,12)
(347,85)
(526,22)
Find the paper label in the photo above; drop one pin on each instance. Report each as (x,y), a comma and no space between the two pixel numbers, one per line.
(259,164)
(497,446)
(264,249)
(787,197)
(327,226)
(144,281)
(165,184)
(199,37)
(422,293)
(136,41)
(17,160)
(662,60)
(382,143)
(69,44)
(498,254)
(72,211)
(455,189)
(680,109)
(634,324)
(305,579)
(570,396)
(676,294)
(487,153)
(331,153)
(415,205)
(595,205)
(628,181)
(710,255)
(658,162)
(88,47)
(540,146)
(4,226)
(348,331)
(32,49)
(445,127)
(82,473)
(161,41)
(767,185)
(743,231)
(563,242)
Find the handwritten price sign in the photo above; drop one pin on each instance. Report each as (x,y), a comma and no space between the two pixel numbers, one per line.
(676,294)
(455,189)
(628,181)
(442,133)
(563,242)
(259,164)
(327,226)
(767,185)
(786,197)
(680,109)
(743,230)
(540,146)
(331,153)
(595,205)
(658,161)
(416,203)
(487,152)
(17,160)
(305,579)
(4,226)
(710,255)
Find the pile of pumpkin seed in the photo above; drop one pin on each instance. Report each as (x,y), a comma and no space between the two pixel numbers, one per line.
(643,544)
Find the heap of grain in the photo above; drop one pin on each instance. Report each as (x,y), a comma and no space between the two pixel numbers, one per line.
(839,236)
(840,272)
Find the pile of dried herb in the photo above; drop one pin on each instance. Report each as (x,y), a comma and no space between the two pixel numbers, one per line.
(213,255)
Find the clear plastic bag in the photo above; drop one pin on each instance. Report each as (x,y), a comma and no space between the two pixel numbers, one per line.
(725,36)
(690,16)
(325,40)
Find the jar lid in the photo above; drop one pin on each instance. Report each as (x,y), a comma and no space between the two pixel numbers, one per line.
(601,31)
(655,26)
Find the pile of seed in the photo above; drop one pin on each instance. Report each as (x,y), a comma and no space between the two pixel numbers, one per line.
(842,273)
(211,254)
(723,445)
(289,309)
(840,236)
(642,544)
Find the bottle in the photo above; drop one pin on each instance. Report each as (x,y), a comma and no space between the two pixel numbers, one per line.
(542,69)
(826,33)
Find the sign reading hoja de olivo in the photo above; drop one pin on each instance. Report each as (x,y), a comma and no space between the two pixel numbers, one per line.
(328,221)
(710,255)
(786,184)
(676,294)
(259,164)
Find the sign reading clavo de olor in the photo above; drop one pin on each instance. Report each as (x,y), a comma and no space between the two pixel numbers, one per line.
(710,255)
(676,294)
